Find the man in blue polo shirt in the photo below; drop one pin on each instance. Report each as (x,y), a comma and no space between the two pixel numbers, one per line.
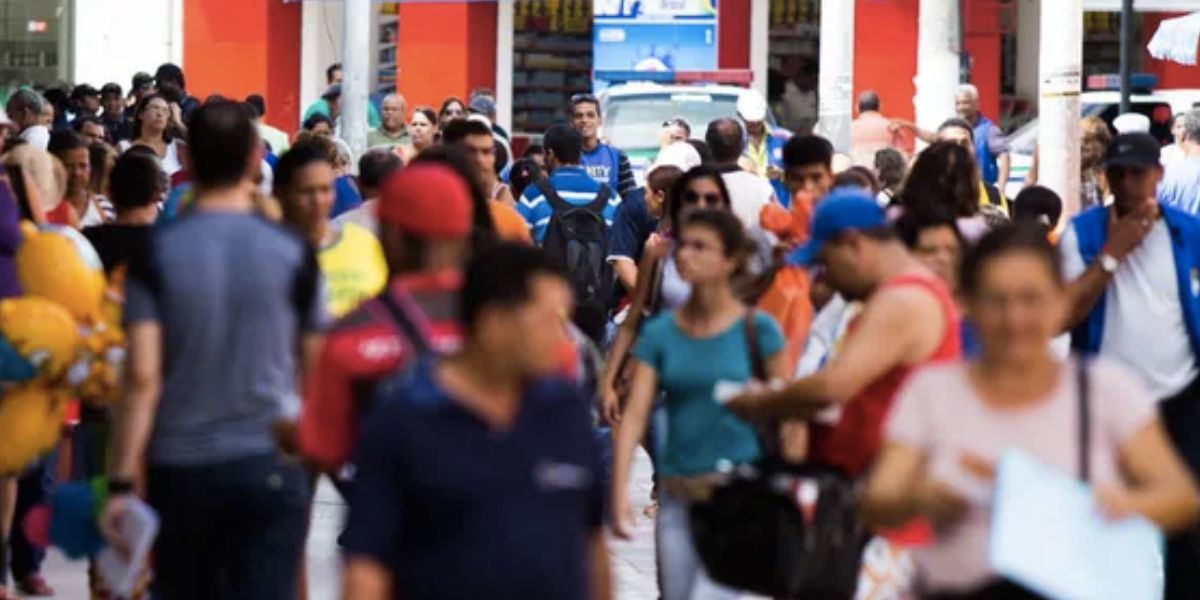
(605,163)
(991,151)
(478,476)
(564,148)
(1134,270)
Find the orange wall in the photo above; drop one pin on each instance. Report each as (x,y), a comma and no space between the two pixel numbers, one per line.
(240,47)
(1171,75)
(885,52)
(445,49)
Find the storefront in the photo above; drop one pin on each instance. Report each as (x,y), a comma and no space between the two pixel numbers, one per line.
(35,42)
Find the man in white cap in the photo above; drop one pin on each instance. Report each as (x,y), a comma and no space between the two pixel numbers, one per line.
(1131,122)
(763,147)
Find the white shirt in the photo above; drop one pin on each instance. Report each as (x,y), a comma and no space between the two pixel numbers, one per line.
(37,136)
(1143,321)
(169,163)
(749,193)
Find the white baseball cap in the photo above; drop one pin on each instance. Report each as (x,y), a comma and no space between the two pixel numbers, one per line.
(1132,123)
(678,154)
(752,106)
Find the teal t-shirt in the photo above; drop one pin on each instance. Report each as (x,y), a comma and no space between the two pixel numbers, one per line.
(321,106)
(701,432)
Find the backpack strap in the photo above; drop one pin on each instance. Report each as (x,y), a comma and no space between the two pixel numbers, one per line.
(758,367)
(557,204)
(602,197)
(404,324)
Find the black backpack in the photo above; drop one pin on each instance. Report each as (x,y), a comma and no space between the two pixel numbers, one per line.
(577,237)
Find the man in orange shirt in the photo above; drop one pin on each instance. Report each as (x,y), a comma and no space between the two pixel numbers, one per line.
(871,131)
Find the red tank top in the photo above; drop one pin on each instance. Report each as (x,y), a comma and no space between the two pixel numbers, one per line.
(855,440)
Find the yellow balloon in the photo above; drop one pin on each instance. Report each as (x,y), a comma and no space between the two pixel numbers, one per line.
(30,425)
(42,332)
(57,263)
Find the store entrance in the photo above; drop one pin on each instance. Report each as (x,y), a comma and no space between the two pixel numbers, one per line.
(793,50)
(552,60)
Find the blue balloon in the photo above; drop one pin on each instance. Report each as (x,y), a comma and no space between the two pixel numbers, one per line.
(73,527)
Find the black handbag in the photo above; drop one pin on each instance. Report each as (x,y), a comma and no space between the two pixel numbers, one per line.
(778,529)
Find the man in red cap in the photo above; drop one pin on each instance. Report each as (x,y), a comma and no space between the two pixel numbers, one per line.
(424,226)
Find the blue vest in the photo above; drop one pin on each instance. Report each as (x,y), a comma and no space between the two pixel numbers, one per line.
(1091,228)
(988,166)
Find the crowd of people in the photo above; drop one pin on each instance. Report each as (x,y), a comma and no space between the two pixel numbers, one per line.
(473,346)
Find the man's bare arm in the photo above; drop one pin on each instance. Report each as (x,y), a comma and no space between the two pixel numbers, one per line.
(134,419)
(366,579)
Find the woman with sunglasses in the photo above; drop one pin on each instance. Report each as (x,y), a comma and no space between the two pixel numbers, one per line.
(670,194)
(452,108)
(683,354)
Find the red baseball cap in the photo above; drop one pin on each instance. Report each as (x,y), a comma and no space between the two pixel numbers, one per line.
(430,201)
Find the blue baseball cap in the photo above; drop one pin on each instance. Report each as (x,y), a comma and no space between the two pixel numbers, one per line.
(844,209)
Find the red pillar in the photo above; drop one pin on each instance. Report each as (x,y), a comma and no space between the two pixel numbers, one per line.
(240,47)
(733,35)
(445,49)
(981,40)
(885,53)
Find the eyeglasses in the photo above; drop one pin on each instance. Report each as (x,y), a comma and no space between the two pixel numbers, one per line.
(584,97)
(676,122)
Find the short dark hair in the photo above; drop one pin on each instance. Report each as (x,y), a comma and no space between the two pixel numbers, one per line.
(1036,202)
(502,278)
(533,149)
(258,103)
(460,129)
(376,166)
(578,99)
(727,227)
(523,173)
(663,178)
(330,70)
(957,123)
(77,126)
(857,176)
(724,138)
(868,100)
(299,156)
(565,143)
(910,225)
(63,141)
(804,150)
(890,167)
(170,73)
(221,140)
(316,119)
(135,181)
(1018,236)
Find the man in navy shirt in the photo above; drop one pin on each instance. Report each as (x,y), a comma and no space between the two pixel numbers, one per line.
(478,476)
(603,162)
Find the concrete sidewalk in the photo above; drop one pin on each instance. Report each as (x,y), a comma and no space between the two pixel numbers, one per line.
(632,562)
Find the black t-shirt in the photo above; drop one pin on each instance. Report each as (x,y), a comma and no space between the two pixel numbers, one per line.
(117,244)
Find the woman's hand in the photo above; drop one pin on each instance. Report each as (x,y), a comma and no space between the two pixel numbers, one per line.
(1114,502)
(610,404)
(624,517)
(940,503)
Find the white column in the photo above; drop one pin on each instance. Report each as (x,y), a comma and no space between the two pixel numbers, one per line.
(938,48)
(760,37)
(356,68)
(835,84)
(1058,105)
(1028,32)
(504,64)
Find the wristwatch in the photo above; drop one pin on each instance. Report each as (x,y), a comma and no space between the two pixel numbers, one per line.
(1109,264)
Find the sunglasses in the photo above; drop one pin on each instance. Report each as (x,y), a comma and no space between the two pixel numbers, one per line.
(676,122)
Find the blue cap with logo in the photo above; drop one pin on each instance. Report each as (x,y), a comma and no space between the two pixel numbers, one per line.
(844,209)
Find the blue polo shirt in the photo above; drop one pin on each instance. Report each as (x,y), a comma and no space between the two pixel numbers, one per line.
(458,509)
(575,187)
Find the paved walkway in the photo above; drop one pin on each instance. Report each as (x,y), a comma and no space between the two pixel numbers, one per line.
(632,562)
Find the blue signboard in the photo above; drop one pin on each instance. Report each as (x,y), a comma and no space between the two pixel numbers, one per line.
(654,36)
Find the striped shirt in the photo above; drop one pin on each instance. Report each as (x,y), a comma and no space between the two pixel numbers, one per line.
(575,187)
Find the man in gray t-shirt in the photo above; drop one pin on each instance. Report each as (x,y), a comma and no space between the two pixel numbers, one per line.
(220,310)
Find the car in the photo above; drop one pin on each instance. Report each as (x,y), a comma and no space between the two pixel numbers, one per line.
(1160,106)
(635,112)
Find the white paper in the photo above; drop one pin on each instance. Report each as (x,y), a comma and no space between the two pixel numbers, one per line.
(1049,535)
(139,526)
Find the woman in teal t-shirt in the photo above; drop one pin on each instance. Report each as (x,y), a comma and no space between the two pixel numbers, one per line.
(684,354)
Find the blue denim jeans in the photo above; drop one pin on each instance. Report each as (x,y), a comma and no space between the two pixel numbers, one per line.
(681,574)
(232,530)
